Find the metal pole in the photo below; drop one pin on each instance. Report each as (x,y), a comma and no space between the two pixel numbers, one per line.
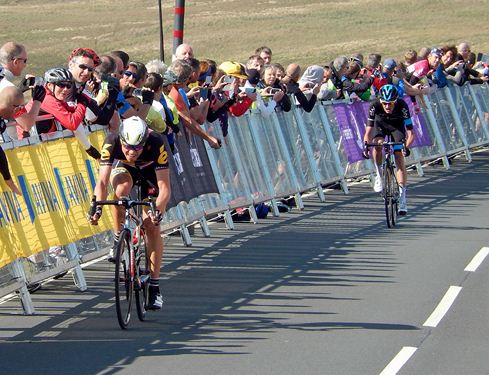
(162,45)
(178,24)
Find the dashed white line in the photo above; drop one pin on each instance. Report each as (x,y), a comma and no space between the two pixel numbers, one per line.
(443,307)
(477,260)
(399,360)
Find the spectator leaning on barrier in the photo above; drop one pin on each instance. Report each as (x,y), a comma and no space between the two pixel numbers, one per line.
(183,72)
(265,108)
(291,79)
(13,57)
(272,85)
(11,101)
(69,114)
(422,70)
(345,86)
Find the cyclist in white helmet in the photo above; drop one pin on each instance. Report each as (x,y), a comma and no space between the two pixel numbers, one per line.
(137,153)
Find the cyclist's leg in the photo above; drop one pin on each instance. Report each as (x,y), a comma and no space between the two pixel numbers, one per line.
(122,182)
(154,247)
(376,134)
(399,136)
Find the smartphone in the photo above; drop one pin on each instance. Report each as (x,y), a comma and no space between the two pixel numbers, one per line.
(204,92)
(208,80)
(273,91)
(228,79)
(30,81)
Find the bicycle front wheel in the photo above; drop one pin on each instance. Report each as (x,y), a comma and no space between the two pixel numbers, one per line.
(388,201)
(124,285)
(142,279)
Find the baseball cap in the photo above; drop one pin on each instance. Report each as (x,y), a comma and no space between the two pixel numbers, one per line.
(436,52)
(233,68)
(169,78)
(390,64)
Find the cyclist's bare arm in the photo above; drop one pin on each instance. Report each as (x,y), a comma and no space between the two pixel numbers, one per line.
(410,137)
(100,190)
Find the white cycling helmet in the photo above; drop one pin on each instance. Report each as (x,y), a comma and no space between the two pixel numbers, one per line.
(134,131)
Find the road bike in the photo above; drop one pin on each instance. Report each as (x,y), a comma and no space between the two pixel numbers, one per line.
(390,190)
(131,278)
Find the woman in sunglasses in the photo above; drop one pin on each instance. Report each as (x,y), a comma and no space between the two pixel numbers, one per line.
(70,115)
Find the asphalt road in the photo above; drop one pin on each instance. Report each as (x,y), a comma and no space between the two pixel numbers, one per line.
(326,290)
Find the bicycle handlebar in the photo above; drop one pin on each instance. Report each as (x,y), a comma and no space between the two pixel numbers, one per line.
(124,202)
(384,144)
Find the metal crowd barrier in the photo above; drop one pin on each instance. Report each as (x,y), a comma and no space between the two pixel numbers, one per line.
(264,159)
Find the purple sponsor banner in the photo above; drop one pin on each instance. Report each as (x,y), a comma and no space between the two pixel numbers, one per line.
(352,119)
(422,136)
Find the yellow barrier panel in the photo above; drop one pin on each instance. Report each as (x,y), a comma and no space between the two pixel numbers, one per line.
(56,179)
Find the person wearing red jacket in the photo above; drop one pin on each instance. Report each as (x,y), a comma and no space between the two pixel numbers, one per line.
(70,115)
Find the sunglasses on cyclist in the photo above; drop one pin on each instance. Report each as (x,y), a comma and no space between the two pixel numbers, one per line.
(388,103)
(64,85)
(128,73)
(134,148)
(86,67)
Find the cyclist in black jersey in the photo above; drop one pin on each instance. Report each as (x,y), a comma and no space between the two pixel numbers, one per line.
(389,115)
(137,153)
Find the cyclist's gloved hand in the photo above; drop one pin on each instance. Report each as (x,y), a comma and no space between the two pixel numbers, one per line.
(155,216)
(406,151)
(94,215)
(365,153)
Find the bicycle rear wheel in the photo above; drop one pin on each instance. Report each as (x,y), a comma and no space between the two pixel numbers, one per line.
(142,279)
(388,180)
(124,285)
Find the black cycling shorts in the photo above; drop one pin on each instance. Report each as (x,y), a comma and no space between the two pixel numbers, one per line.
(146,177)
(382,131)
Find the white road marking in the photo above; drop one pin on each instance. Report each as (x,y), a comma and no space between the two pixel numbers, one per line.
(443,306)
(477,260)
(399,360)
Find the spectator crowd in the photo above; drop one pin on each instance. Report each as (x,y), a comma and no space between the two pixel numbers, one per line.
(105,89)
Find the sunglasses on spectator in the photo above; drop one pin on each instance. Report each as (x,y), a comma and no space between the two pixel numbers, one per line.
(85,67)
(18,107)
(128,73)
(64,85)
(134,148)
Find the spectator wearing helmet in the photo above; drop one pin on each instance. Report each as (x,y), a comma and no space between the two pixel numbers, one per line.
(70,115)
(291,79)
(13,58)
(183,72)
(136,153)
(11,101)
(389,116)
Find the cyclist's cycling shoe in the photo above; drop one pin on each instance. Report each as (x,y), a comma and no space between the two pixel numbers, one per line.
(155,301)
(111,255)
(378,184)
(402,206)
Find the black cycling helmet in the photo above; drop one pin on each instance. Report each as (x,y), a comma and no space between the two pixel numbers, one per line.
(388,93)
(57,75)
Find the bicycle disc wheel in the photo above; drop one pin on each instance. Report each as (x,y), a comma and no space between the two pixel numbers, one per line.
(142,280)
(388,196)
(124,286)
